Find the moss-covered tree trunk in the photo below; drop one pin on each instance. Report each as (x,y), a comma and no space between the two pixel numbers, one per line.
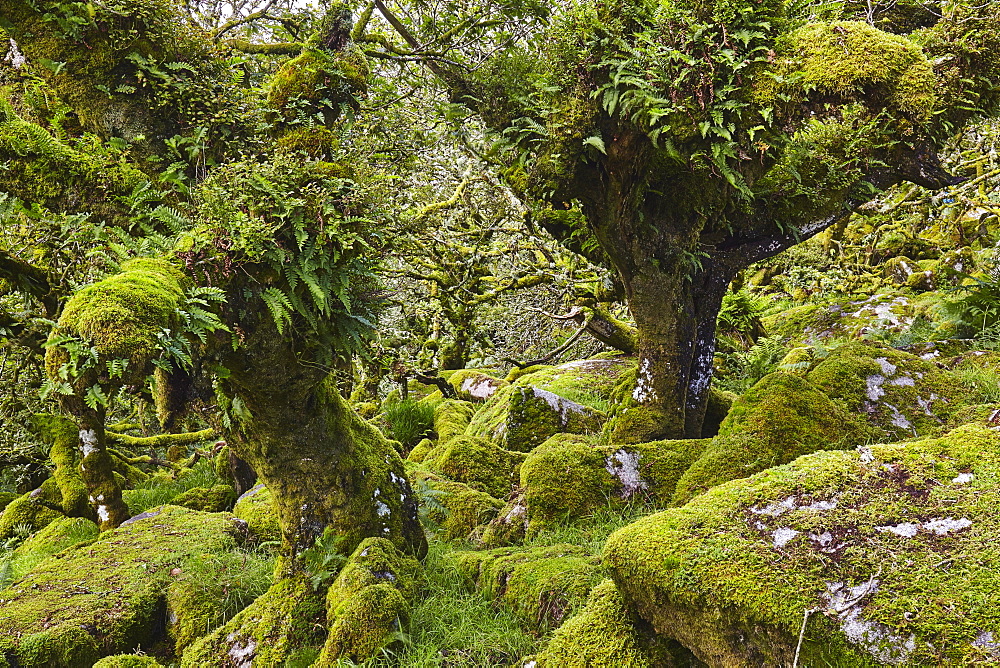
(325,466)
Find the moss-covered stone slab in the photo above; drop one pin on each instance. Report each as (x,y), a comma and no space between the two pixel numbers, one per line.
(889,555)
(570,398)
(780,418)
(256,508)
(214,499)
(474,385)
(899,393)
(542,585)
(818,321)
(106,597)
(570,476)
(33,510)
(477,462)
(606,634)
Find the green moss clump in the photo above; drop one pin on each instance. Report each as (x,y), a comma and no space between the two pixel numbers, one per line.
(542,585)
(122,316)
(479,463)
(63,436)
(207,499)
(901,394)
(780,418)
(33,509)
(57,536)
(451,418)
(454,507)
(106,596)
(6,498)
(602,635)
(369,601)
(127,661)
(851,60)
(256,508)
(421,451)
(475,385)
(319,82)
(898,542)
(719,403)
(569,476)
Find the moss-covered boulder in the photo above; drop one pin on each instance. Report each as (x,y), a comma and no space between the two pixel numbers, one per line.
(455,508)
(780,418)
(843,317)
(451,418)
(478,462)
(256,508)
(542,585)
(605,634)
(420,451)
(33,510)
(6,498)
(900,394)
(474,385)
(368,604)
(570,398)
(107,596)
(889,554)
(207,499)
(570,476)
(57,536)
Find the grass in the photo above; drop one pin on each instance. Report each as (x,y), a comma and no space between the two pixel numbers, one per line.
(983,383)
(156,492)
(231,579)
(409,421)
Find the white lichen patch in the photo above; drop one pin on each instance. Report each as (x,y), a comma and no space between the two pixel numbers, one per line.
(624,466)
(987,641)
(88,441)
(381,509)
(644,392)
(559,405)
(904,530)
(940,526)
(778,508)
(241,653)
(874,387)
(888,368)
(480,387)
(963,478)
(103,514)
(877,639)
(783,536)
(903,381)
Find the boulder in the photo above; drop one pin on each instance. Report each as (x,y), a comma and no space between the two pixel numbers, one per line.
(541,585)
(214,499)
(107,596)
(899,393)
(884,555)
(780,418)
(474,385)
(477,462)
(256,508)
(454,507)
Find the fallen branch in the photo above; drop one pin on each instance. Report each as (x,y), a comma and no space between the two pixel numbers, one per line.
(555,353)
(431,378)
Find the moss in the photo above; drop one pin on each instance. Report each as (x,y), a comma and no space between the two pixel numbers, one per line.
(603,635)
(568,476)
(272,628)
(368,603)
(123,316)
(207,499)
(256,508)
(33,509)
(456,508)
(6,498)
(780,418)
(719,403)
(57,536)
(851,60)
(474,384)
(798,360)
(420,451)
(451,419)
(911,528)
(542,585)
(479,463)
(518,372)
(126,661)
(510,525)
(315,142)
(319,82)
(901,394)
(106,596)
(63,436)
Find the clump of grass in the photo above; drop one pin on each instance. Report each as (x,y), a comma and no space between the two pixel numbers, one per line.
(156,491)
(409,421)
(231,580)
(591,531)
(984,384)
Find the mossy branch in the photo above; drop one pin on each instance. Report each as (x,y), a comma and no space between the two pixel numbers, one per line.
(277,48)
(161,440)
(29,279)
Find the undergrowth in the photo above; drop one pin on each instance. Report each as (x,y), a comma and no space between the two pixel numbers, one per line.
(156,491)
